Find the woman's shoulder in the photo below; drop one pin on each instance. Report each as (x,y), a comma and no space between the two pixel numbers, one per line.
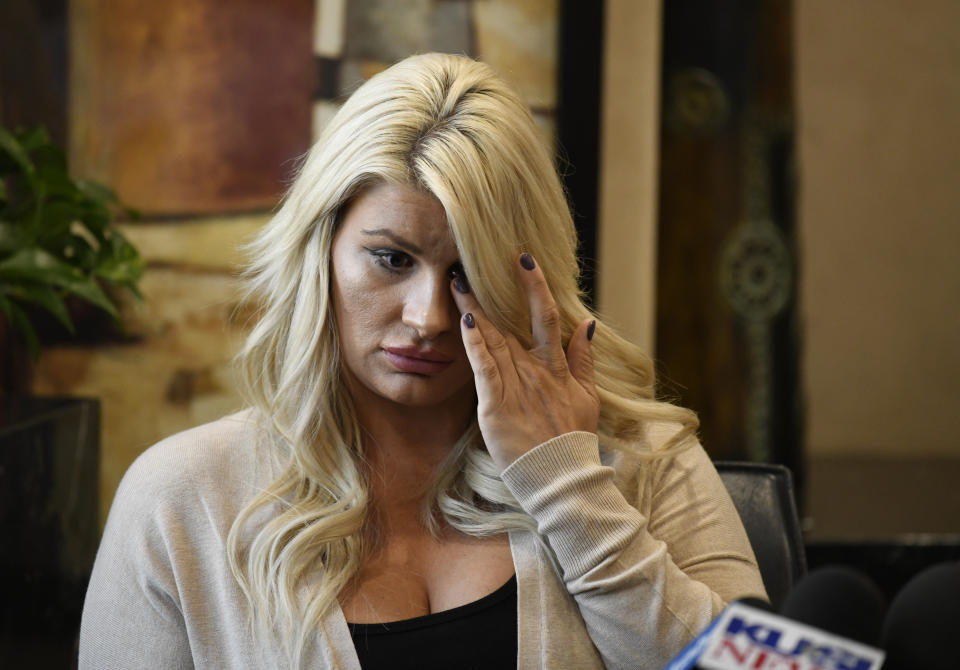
(223,458)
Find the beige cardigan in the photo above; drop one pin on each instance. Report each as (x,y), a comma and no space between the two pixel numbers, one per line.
(649,556)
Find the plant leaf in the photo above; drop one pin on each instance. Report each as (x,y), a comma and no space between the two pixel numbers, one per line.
(120,262)
(40,266)
(32,138)
(8,238)
(121,271)
(46,297)
(95,215)
(51,166)
(22,324)
(15,150)
(96,191)
(35,264)
(56,218)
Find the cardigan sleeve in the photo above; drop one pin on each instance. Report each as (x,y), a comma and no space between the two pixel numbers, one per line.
(132,615)
(639,580)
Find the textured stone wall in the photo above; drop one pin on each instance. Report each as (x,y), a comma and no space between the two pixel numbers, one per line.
(174,369)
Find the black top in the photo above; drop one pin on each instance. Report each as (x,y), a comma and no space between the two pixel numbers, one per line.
(480,635)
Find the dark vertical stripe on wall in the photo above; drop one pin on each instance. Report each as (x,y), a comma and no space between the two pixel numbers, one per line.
(579,91)
(33,65)
(728,325)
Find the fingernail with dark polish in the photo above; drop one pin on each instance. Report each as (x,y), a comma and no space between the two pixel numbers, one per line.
(468,319)
(526,260)
(460,283)
(590,329)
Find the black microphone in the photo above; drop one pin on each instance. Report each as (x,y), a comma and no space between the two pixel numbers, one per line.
(839,600)
(922,629)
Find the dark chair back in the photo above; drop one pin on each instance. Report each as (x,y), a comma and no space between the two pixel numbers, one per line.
(763,495)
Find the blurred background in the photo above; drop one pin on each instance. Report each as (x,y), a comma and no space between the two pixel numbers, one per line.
(766,191)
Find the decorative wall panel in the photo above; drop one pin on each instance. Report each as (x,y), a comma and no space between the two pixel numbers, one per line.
(190,106)
(726,324)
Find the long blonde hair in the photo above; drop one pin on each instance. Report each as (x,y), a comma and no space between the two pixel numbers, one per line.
(450,126)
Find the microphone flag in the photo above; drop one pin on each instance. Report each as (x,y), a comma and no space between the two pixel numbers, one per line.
(745,637)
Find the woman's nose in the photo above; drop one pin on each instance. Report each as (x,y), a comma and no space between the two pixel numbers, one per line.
(429,307)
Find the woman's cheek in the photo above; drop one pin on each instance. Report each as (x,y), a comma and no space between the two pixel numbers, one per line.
(365,302)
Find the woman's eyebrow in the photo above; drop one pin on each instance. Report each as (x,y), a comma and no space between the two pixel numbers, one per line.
(393,237)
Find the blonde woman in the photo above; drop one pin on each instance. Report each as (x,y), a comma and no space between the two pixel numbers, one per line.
(448,461)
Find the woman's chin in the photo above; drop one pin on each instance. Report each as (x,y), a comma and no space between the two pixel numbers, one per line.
(425,393)
(385,386)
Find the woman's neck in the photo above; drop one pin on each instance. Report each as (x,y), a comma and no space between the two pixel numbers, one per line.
(403,445)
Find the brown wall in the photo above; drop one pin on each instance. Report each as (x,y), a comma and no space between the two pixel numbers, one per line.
(879,142)
(879,105)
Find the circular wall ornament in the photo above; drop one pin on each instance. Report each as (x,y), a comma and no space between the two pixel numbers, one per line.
(755,271)
(696,101)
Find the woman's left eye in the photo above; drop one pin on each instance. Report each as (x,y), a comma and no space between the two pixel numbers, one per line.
(391,259)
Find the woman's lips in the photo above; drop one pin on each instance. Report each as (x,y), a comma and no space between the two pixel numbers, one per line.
(409,359)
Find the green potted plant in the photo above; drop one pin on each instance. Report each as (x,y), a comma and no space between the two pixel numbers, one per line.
(60,255)
(57,239)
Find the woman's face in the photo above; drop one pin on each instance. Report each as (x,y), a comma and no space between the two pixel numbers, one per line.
(392,261)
